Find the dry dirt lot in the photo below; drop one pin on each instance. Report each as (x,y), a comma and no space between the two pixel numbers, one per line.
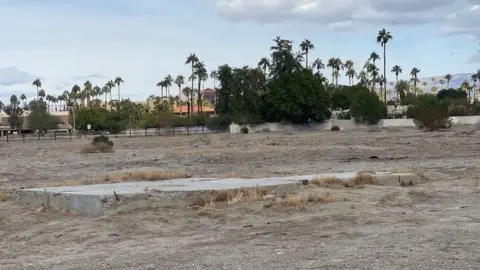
(434,225)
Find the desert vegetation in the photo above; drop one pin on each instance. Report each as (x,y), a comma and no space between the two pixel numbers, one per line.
(283,87)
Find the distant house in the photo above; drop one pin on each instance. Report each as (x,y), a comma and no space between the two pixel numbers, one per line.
(183,110)
(209,94)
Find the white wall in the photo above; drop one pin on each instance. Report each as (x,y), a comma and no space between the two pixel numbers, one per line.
(345,125)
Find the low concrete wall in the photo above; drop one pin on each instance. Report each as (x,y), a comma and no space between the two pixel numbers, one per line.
(345,125)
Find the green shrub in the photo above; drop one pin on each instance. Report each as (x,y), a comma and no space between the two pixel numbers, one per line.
(244,130)
(335,128)
(219,122)
(430,113)
(102,140)
(367,108)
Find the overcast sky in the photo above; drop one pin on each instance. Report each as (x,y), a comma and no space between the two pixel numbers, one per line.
(68,42)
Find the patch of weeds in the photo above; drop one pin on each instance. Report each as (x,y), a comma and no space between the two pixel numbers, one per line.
(417,172)
(4,195)
(326,181)
(99,144)
(361,179)
(300,202)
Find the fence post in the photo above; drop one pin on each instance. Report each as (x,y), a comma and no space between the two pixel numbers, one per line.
(7,137)
(145,132)
(55,135)
(38,136)
(130,133)
(203,132)
(188,131)
(23,137)
(70,131)
(174,131)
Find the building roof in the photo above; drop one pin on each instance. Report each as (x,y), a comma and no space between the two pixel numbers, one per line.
(208,90)
(184,109)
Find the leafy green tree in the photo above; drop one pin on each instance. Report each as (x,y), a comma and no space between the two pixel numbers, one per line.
(95,117)
(342,97)
(115,122)
(430,112)
(15,113)
(40,118)
(368,108)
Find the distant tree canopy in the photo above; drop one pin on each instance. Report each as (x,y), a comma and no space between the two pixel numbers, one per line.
(452,94)
(286,92)
(39,118)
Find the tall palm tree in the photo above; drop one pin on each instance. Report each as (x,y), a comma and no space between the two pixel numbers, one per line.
(105,90)
(168,84)
(118,81)
(161,84)
(318,64)
(38,84)
(264,63)
(41,94)
(179,81)
(414,72)
(449,78)
(201,73)
(474,79)
(331,64)
(214,76)
(192,60)
(383,37)
(110,84)
(306,46)
(187,91)
(397,70)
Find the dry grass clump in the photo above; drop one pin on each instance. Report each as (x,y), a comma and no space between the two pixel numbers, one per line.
(301,201)
(326,181)
(3,195)
(149,175)
(419,173)
(100,147)
(229,196)
(361,179)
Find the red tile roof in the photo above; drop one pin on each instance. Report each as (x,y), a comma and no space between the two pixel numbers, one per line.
(184,109)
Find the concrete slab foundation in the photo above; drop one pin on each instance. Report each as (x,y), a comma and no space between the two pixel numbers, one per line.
(93,200)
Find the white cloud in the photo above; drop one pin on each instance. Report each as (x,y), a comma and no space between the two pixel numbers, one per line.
(12,76)
(460,17)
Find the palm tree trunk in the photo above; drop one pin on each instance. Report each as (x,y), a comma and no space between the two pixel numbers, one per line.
(384,72)
(306,59)
(118,87)
(396,75)
(199,98)
(191,96)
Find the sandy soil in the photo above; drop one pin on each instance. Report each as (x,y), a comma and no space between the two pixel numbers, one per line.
(434,225)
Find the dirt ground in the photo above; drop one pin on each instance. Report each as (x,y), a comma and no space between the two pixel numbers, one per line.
(434,225)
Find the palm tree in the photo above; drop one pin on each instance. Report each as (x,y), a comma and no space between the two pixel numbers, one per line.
(397,70)
(442,83)
(264,63)
(414,72)
(383,37)
(363,78)
(38,84)
(401,88)
(118,81)
(41,94)
(161,84)
(474,79)
(179,81)
(187,92)
(374,57)
(168,84)
(318,64)
(192,59)
(23,98)
(105,90)
(214,76)
(448,77)
(201,73)
(306,46)
(465,86)
(331,64)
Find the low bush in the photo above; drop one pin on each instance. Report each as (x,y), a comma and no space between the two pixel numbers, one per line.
(335,128)
(100,144)
(367,108)
(430,113)
(244,130)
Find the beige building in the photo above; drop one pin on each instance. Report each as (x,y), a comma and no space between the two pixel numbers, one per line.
(5,126)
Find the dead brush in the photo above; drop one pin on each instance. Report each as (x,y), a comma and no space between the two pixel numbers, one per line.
(361,179)
(149,175)
(3,195)
(97,148)
(300,202)
(332,180)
